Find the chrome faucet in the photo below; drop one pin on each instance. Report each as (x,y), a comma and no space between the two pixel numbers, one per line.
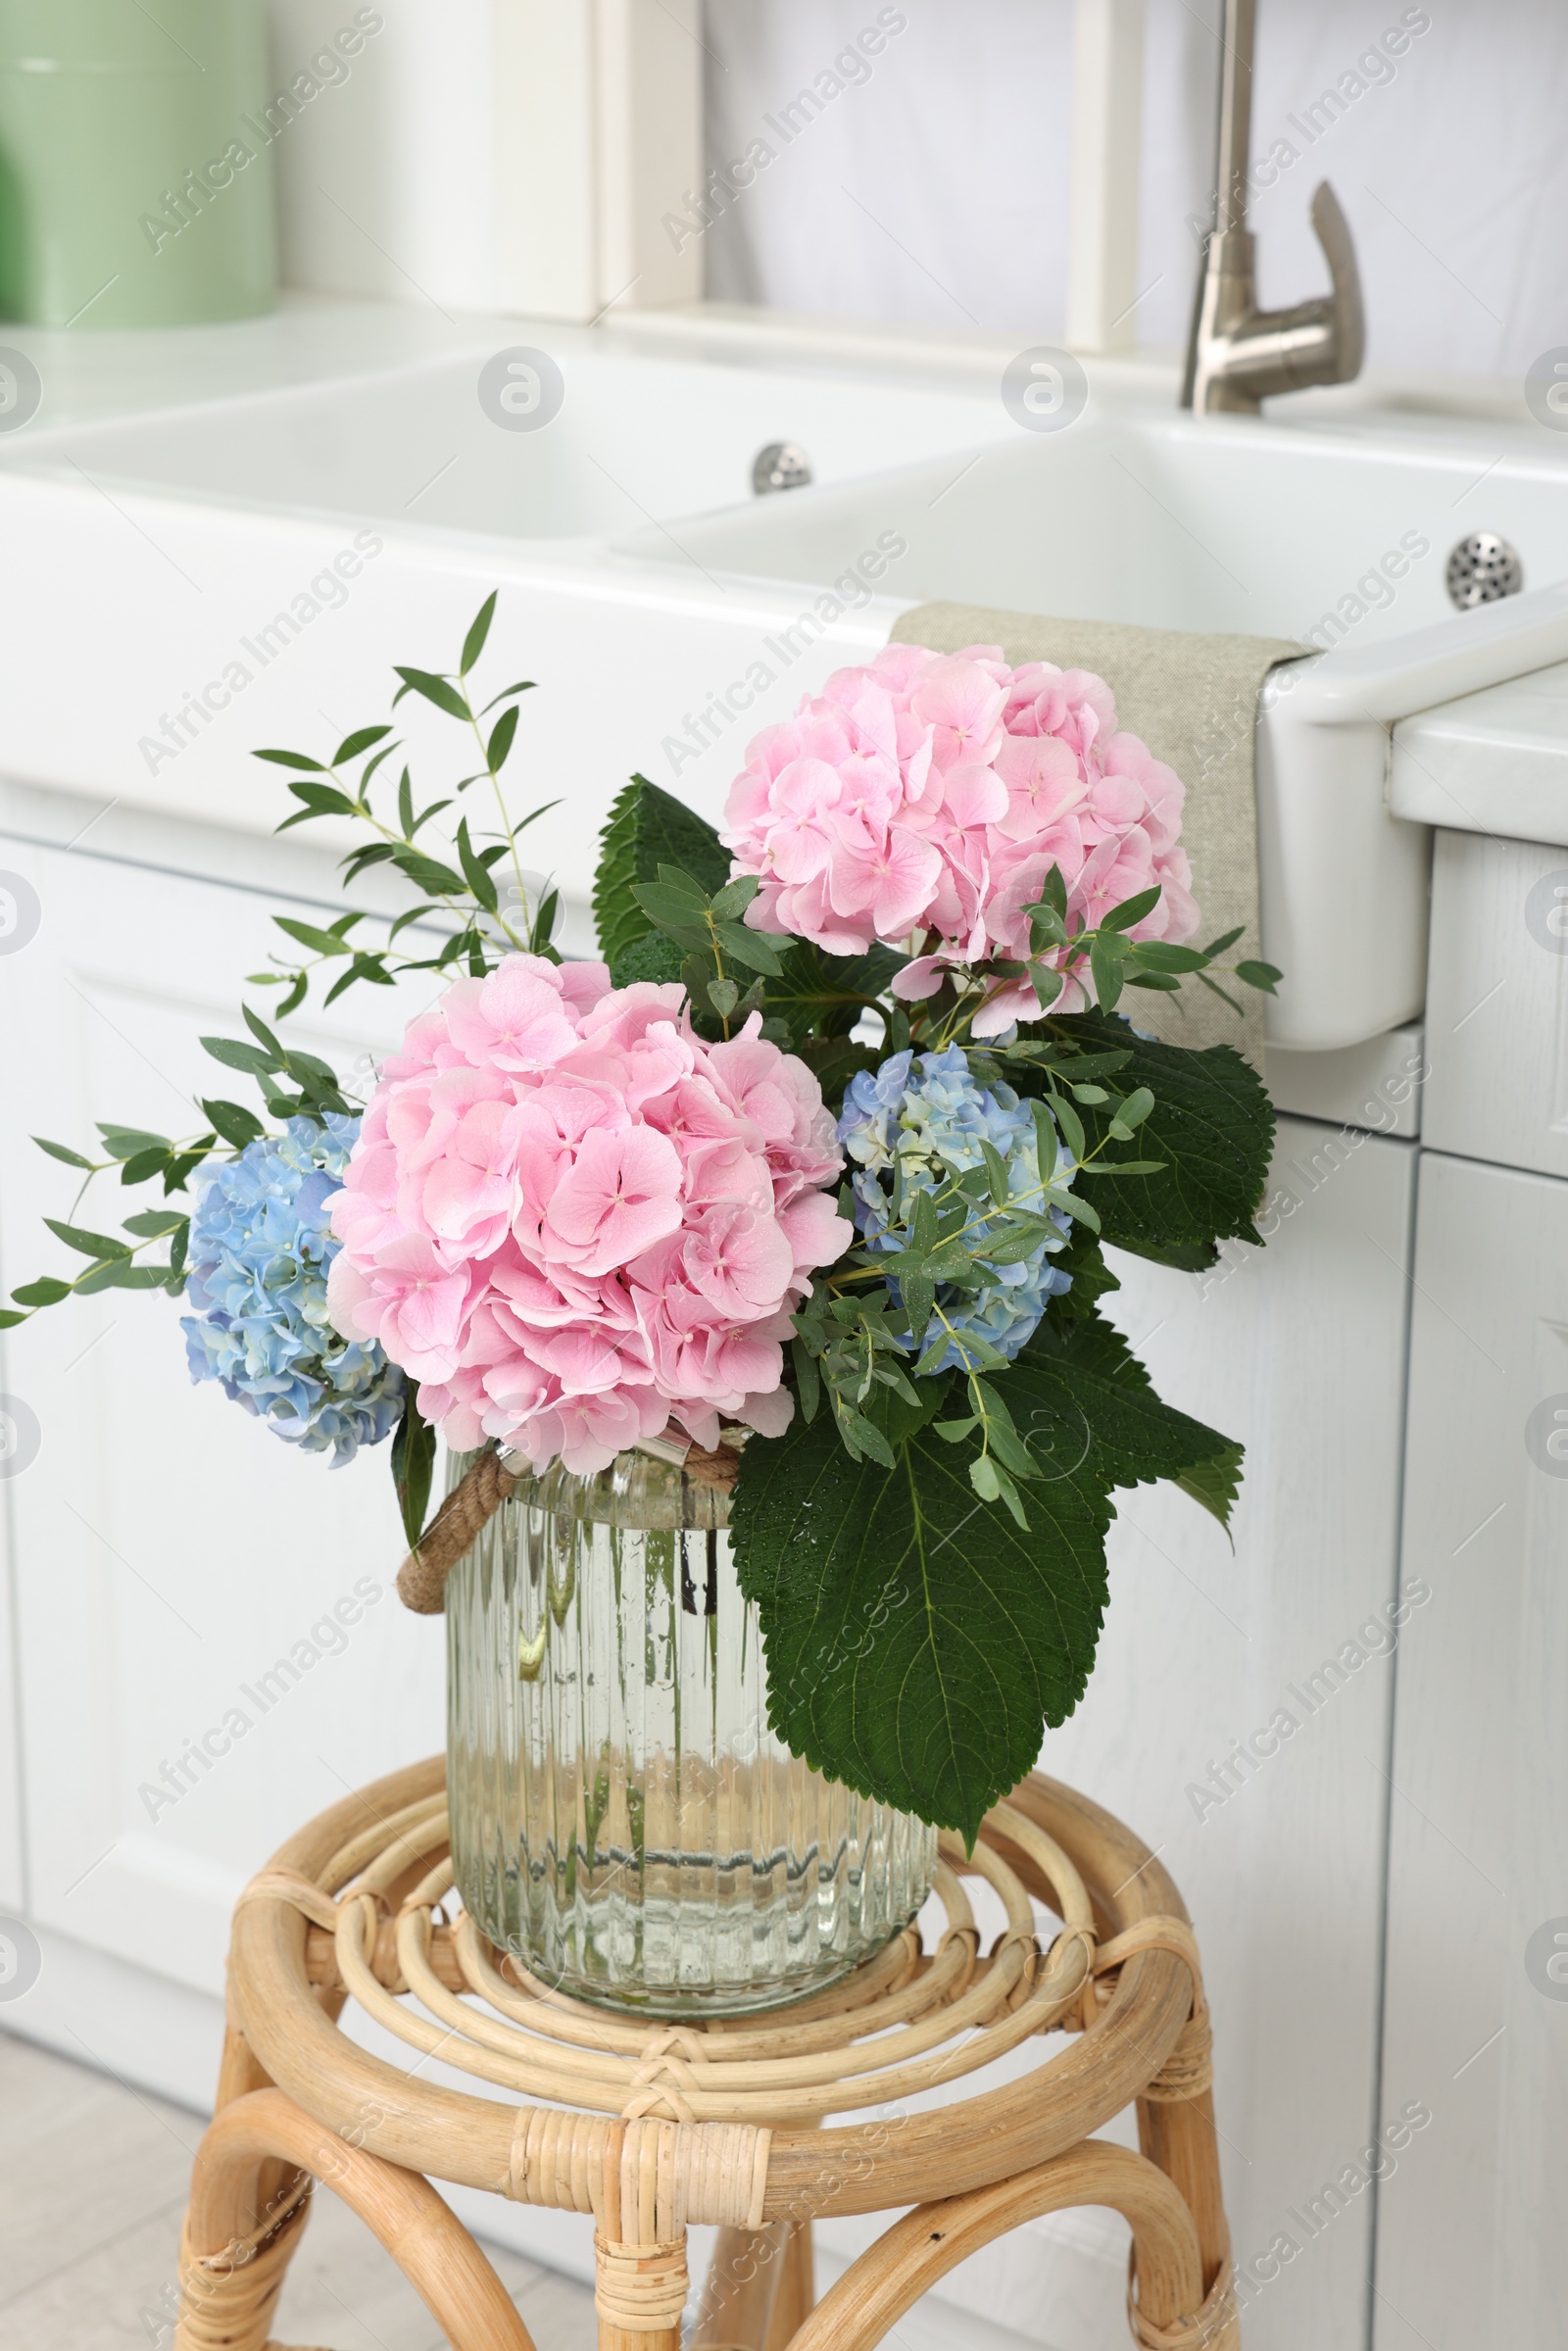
(1236,354)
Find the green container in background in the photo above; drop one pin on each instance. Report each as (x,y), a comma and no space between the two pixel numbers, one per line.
(136,176)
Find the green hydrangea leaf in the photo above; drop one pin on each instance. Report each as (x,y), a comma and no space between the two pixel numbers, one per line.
(1211,1126)
(824,996)
(919,1641)
(647,828)
(1079,1394)
(653,956)
(1216,1484)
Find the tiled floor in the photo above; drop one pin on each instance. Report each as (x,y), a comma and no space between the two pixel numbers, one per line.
(92,2187)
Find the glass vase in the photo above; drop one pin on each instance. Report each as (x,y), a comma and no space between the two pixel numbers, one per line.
(623,1820)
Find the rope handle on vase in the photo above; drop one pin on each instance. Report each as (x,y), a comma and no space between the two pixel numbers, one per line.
(491,1480)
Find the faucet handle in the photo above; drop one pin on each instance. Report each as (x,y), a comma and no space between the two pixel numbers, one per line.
(1333,232)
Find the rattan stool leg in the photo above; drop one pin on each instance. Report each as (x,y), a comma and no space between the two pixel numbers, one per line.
(639,2294)
(797,2292)
(746,2302)
(230,2283)
(1179,2136)
(887,2278)
(239,2072)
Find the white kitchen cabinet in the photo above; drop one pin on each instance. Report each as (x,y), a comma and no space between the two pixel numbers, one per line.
(1471,2246)
(160,1560)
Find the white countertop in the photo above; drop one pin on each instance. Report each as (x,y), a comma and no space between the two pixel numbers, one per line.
(1489,763)
(91,376)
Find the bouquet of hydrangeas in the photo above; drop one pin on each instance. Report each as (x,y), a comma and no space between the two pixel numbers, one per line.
(821,1154)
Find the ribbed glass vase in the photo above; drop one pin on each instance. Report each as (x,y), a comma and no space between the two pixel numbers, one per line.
(623,1821)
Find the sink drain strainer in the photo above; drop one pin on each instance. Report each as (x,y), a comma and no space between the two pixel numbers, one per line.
(1482,568)
(781,465)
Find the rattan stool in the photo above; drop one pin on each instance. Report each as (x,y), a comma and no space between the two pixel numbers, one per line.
(651,2128)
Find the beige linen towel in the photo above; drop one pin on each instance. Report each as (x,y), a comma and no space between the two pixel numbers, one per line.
(1194,700)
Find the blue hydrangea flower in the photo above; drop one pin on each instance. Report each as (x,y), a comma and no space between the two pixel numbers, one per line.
(260,1250)
(930,1119)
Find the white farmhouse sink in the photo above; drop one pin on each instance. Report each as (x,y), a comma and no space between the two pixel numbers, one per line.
(1334,535)
(667,612)
(637,440)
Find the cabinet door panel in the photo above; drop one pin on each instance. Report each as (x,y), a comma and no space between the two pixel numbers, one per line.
(176,1565)
(1497,1027)
(1299,1350)
(1471,2246)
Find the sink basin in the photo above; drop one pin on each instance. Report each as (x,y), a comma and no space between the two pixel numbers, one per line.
(1335,535)
(637,439)
(1172,523)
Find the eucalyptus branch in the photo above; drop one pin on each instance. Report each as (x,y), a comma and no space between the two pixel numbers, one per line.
(473,646)
(467,892)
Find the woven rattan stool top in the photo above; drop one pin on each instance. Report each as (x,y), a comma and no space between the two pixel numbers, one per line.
(649,2126)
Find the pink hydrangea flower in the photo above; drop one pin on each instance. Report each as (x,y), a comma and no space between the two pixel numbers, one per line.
(923,799)
(573,1221)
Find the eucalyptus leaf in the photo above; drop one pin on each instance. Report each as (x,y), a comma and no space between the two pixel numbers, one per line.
(260,1032)
(306,933)
(124,1143)
(428,873)
(1132,909)
(473,643)
(438,690)
(1108,970)
(753,949)
(1158,956)
(1072,1131)
(60,1151)
(240,1057)
(144,1165)
(237,1125)
(412,1466)
(291,758)
(88,1245)
(478,876)
(730,902)
(45,1292)
(150,1224)
(362,740)
(500,739)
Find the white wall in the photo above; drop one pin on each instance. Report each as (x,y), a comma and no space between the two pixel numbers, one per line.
(1454,171)
(387,179)
(503,155)
(936,188)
